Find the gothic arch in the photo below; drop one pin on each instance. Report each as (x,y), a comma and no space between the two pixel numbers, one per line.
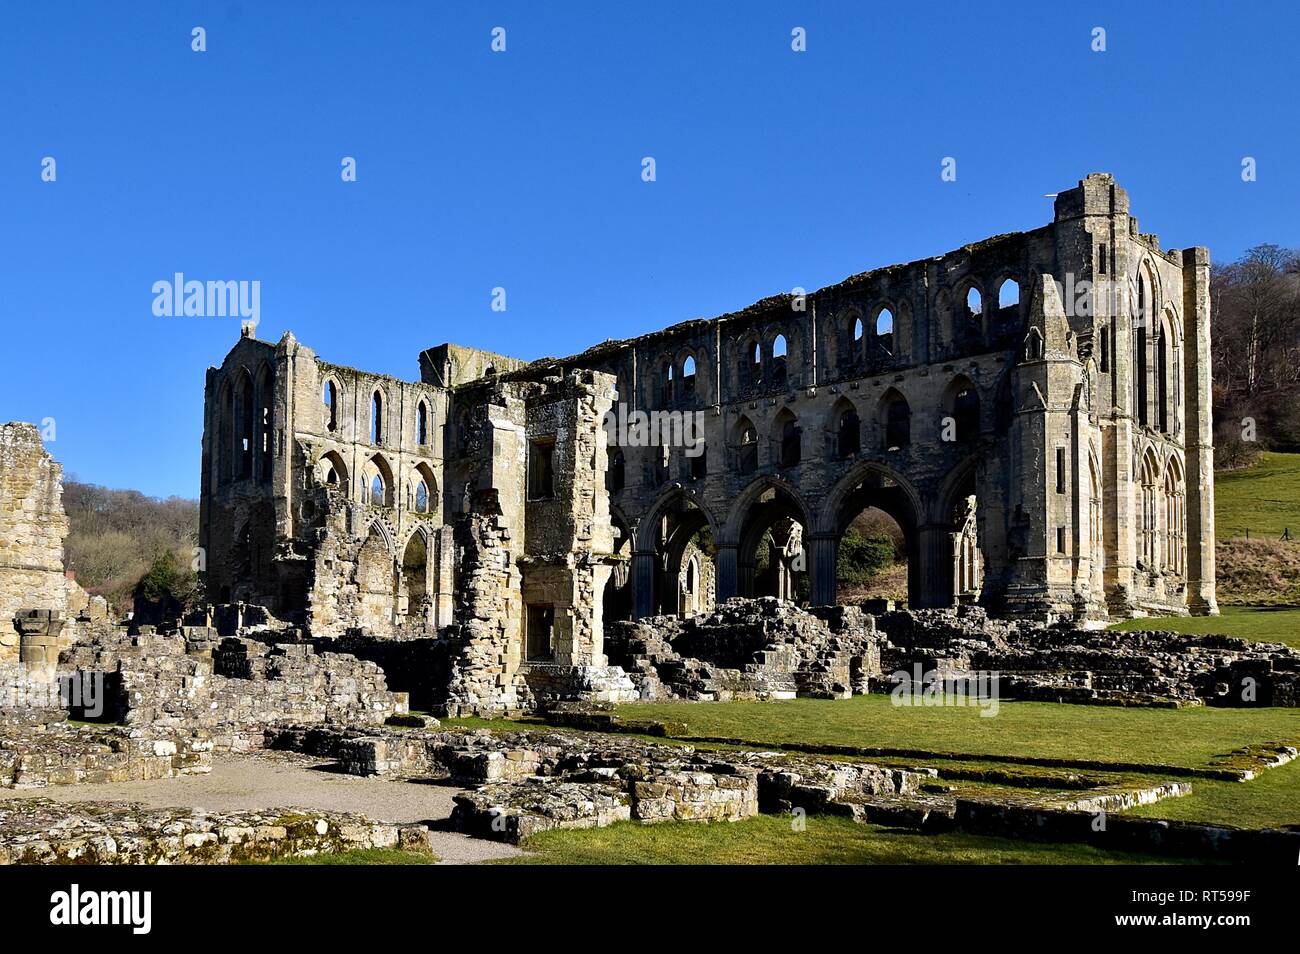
(844,429)
(951,488)
(893,421)
(378,467)
(422,473)
(829,515)
(381,529)
(744,437)
(735,518)
(333,461)
(963,403)
(646,529)
(786,439)
(331,404)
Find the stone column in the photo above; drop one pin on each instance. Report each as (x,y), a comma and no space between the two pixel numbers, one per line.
(444,568)
(643,583)
(1200,433)
(822,552)
(727,579)
(934,574)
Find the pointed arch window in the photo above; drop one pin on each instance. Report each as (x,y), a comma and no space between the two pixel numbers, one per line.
(376,418)
(331,398)
(780,361)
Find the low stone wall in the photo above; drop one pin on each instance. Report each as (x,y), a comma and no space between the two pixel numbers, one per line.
(38,831)
(64,754)
(549,683)
(235,691)
(1062,663)
(1129,833)
(526,782)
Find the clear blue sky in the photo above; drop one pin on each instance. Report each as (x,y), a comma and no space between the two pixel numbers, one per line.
(523,170)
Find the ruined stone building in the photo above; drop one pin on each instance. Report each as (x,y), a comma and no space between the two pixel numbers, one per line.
(32,530)
(1033,410)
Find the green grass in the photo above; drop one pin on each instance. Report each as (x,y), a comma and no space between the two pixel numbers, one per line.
(1270,801)
(1268,624)
(771,839)
(1187,738)
(1264,499)
(361,856)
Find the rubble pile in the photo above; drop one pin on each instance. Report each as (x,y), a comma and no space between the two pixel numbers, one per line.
(749,649)
(769,649)
(1065,663)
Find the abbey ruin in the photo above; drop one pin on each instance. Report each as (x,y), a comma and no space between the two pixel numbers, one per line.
(1033,411)
(659,519)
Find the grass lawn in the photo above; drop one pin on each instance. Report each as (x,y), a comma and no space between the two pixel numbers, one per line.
(1270,624)
(1264,499)
(771,839)
(1183,737)
(1270,801)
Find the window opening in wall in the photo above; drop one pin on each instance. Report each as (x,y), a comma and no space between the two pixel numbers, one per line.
(540,636)
(541,469)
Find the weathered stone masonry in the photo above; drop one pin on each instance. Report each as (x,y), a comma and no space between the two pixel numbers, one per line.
(32,529)
(1046,453)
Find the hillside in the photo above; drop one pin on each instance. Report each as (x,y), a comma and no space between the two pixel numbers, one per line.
(115,535)
(1253,508)
(1259,502)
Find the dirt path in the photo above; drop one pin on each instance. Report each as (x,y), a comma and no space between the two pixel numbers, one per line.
(285,781)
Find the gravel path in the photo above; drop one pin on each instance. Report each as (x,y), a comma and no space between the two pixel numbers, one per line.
(287,781)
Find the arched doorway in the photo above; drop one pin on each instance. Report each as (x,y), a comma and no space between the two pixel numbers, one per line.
(617,600)
(414,601)
(675,532)
(870,530)
(375,581)
(771,554)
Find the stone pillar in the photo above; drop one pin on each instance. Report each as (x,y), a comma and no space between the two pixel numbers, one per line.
(745,579)
(444,569)
(1199,430)
(727,579)
(934,570)
(643,583)
(822,552)
(38,641)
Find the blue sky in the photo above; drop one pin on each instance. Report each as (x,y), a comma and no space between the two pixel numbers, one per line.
(522,170)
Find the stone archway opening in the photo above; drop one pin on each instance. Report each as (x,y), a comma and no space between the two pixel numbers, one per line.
(685,578)
(617,596)
(967,554)
(772,557)
(877,552)
(375,582)
(871,560)
(414,601)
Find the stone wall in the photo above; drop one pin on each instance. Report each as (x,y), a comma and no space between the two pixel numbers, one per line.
(32,529)
(233,692)
(39,831)
(750,649)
